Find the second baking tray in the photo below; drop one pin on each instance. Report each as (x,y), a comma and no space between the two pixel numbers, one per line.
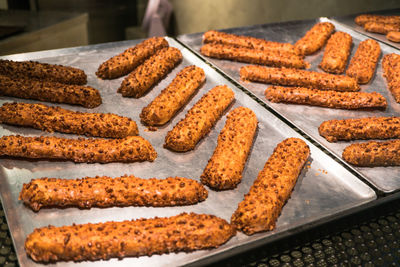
(349,22)
(308,118)
(324,190)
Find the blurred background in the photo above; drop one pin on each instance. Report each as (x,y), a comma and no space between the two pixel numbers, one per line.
(32,25)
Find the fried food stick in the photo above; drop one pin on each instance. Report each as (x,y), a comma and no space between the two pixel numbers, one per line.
(146,75)
(382,28)
(337,52)
(245,41)
(183,232)
(57,119)
(263,203)
(364,18)
(55,92)
(248,55)
(296,77)
(110,192)
(394,36)
(129,149)
(225,167)
(373,154)
(42,71)
(391,71)
(362,66)
(314,39)
(132,57)
(329,99)
(174,97)
(199,119)
(363,128)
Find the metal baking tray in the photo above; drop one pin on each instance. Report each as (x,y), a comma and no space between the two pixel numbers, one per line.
(349,22)
(308,118)
(324,190)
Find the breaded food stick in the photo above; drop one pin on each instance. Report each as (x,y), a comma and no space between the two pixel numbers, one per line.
(146,75)
(393,36)
(363,128)
(362,66)
(314,39)
(245,41)
(132,57)
(389,62)
(141,237)
(337,52)
(263,203)
(391,71)
(111,192)
(199,119)
(296,77)
(364,18)
(225,167)
(382,28)
(56,119)
(328,99)
(174,97)
(248,55)
(373,154)
(129,149)
(42,71)
(55,92)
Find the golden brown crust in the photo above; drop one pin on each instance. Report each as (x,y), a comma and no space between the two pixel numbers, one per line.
(225,167)
(199,119)
(391,71)
(183,232)
(382,28)
(86,96)
(263,57)
(174,97)
(110,192)
(132,57)
(372,154)
(329,99)
(296,77)
(393,36)
(129,149)
(337,52)
(263,203)
(42,71)
(57,119)
(364,18)
(146,75)
(363,128)
(245,41)
(314,39)
(362,66)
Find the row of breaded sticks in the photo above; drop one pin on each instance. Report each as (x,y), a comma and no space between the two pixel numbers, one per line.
(329,90)
(360,71)
(257,212)
(372,153)
(258,51)
(47,82)
(147,63)
(388,25)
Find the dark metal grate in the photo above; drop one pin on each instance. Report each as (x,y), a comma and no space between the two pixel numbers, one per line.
(371,242)
(7,253)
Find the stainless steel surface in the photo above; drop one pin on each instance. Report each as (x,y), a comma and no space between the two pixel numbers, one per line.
(323,190)
(349,22)
(308,118)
